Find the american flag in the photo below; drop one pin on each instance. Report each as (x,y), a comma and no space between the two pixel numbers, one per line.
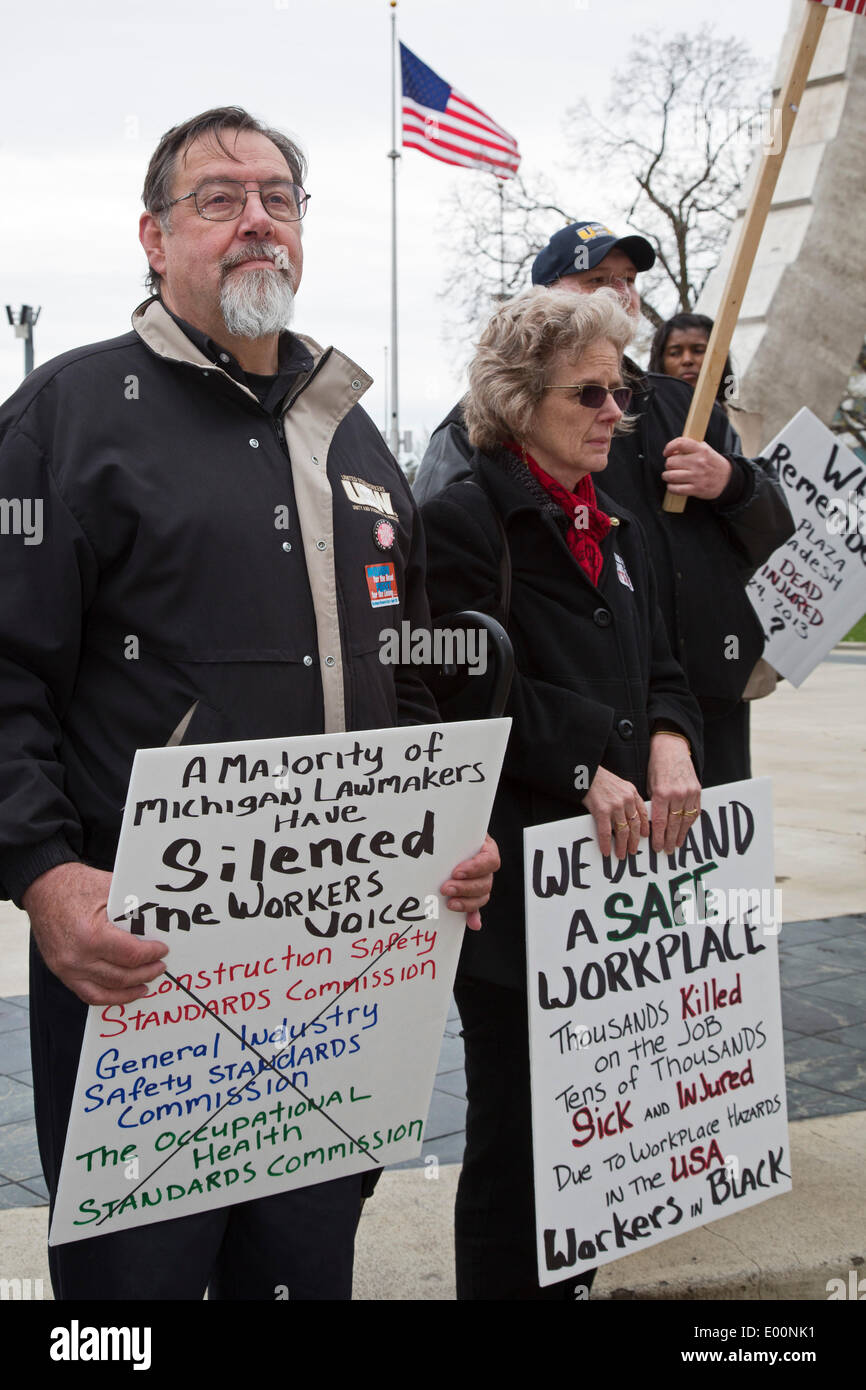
(440,122)
(849,6)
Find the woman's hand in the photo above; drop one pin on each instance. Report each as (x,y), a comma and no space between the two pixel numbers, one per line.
(619,812)
(471,883)
(675,790)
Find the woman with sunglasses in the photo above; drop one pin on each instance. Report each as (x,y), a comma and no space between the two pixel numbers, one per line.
(602,715)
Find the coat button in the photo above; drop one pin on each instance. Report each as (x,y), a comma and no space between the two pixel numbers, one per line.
(308,661)
(329,661)
(254,443)
(321,545)
(287,545)
(602,618)
(356,384)
(625,728)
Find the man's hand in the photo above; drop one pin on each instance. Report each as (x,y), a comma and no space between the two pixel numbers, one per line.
(619,812)
(471,883)
(96,960)
(675,790)
(696,470)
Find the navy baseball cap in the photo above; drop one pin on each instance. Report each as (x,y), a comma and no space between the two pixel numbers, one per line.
(581,246)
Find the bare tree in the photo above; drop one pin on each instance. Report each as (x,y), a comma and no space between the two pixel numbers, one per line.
(673,142)
(677,135)
(495,229)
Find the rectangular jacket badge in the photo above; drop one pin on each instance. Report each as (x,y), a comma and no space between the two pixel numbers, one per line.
(382,584)
(622,572)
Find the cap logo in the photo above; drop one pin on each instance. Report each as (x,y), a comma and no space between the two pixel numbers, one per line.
(593,229)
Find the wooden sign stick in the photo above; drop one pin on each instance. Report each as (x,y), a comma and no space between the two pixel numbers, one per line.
(750,235)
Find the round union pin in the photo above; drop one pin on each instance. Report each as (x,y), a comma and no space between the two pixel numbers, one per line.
(384,534)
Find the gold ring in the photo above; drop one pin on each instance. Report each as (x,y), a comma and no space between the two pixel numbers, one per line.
(676,813)
(636,816)
(695,812)
(620,824)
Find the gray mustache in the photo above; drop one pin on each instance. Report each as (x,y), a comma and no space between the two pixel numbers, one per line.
(259,253)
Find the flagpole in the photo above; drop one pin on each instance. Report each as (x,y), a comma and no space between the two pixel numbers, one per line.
(500,188)
(394,155)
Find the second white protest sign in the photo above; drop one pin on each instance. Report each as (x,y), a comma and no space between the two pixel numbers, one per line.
(658,1081)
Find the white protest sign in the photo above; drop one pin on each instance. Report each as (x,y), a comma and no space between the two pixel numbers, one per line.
(295,1035)
(658,1082)
(812,590)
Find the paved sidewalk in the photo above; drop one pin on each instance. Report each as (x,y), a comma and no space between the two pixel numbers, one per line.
(21,1181)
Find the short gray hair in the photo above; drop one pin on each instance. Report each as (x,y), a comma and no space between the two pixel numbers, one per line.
(513,357)
(174,144)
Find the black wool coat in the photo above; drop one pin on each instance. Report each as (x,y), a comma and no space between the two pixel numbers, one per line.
(593,667)
(702,557)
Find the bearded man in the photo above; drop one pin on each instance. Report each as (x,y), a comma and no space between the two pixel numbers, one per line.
(201,579)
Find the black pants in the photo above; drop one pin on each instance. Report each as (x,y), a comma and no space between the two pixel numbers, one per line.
(726,745)
(495,1209)
(295,1245)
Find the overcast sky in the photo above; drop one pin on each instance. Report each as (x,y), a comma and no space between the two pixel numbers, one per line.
(89,87)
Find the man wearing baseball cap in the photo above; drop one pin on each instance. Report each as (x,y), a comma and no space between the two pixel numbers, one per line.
(584,247)
(703,557)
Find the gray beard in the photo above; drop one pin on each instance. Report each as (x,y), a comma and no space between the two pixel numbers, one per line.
(256,303)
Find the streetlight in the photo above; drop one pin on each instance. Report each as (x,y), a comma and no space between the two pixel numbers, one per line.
(23,321)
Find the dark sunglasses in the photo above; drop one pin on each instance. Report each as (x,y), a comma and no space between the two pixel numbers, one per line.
(594,396)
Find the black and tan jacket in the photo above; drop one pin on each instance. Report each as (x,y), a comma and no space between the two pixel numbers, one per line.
(205,571)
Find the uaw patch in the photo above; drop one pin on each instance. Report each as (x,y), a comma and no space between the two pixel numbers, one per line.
(367,497)
(622,573)
(382,584)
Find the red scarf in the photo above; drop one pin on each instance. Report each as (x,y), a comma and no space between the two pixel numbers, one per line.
(587,525)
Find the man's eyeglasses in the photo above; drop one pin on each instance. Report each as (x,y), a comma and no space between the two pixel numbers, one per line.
(609,282)
(222,200)
(593,396)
